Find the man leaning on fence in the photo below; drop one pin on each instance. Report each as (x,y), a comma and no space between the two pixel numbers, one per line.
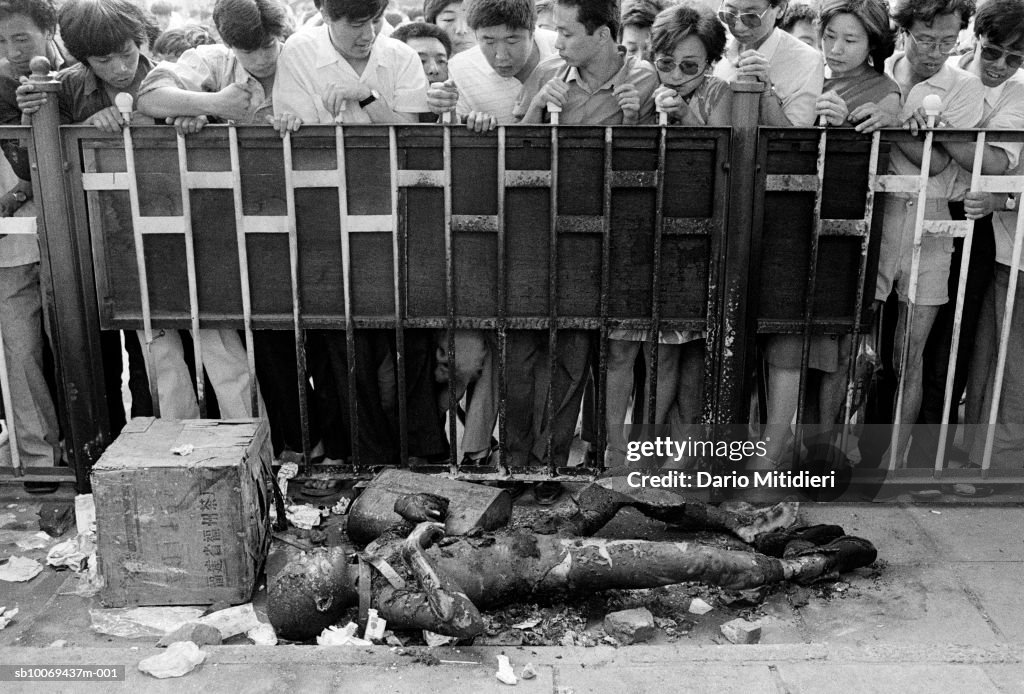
(27,29)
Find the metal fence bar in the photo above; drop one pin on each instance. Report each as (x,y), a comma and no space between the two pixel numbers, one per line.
(293,267)
(552,296)
(502,308)
(140,263)
(243,270)
(915,268)
(601,392)
(655,332)
(190,269)
(449,290)
(346,268)
(400,360)
(965,259)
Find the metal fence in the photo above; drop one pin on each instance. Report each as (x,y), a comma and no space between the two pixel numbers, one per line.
(736,233)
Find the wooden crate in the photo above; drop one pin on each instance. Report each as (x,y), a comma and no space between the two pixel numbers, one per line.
(183,529)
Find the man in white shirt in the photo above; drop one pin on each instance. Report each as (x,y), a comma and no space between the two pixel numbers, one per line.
(791,71)
(343,72)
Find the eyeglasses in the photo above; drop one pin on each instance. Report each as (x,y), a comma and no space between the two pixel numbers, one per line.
(687,67)
(994,53)
(944,47)
(749,19)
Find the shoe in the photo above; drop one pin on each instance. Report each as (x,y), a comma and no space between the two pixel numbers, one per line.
(774,544)
(547,493)
(849,553)
(41,487)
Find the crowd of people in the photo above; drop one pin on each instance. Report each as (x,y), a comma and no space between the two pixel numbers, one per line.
(845,63)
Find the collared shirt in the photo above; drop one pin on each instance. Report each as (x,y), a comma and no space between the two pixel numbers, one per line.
(309,63)
(81,94)
(484,90)
(963,98)
(795,69)
(210,69)
(597,107)
(1003,110)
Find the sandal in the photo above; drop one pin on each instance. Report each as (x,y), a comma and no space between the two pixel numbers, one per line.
(547,493)
(311,488)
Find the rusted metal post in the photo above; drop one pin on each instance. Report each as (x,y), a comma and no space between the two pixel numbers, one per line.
(735,337)
(72,307)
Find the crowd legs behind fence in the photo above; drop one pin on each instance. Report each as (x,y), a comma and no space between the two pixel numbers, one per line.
(552,392)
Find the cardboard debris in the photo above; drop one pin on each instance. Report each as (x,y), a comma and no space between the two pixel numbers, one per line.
(7,616)
(303,517)
(263,635)
(20,569)
(85,514)
(180,659)
(435,640)
(39,540)
(233,620)
(142,622)
(505,674)
(333,636)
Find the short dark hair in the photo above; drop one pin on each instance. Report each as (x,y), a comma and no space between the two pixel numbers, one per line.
(153,29)
(161,8)
(691,19)
(100,27)
(174,42)
(43,13)
(594,14)
(1001,21)
(432,8)
(355,10)
(873,16)
(422,30)
(797,12)
(640,13)
(251,24)
(910,11)
(515,14)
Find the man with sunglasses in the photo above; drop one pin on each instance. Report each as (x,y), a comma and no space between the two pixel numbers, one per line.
(930,29)
(791,71)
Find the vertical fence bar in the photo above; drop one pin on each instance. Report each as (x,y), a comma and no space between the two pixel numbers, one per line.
(403,417)
(502,307)
(346,268)
(601,394)
(655,333)
(915,268)
(140,261)
(190,269)
(243,270)
(293,267)
(809,289)
(552,294)
(958,313)
(449,291)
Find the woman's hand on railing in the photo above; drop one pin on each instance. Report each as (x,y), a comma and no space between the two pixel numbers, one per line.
(832,107)
(107,120)
(871,117)
(442,97)
(187,125)
(29,98)
(629,102)
(285,123)
(480,122)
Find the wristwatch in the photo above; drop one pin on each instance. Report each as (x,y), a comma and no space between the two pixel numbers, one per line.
(374,95)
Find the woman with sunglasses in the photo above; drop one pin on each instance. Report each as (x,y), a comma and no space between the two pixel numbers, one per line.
(791,71)
(857,39)
(686,41)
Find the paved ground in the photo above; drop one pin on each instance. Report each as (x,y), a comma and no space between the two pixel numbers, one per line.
(941,611)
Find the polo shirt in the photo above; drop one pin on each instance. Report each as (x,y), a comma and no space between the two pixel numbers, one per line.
(796,70)
(963,98)
(484,90)
(210,69)
(309,63)
(81,94)
(597,107)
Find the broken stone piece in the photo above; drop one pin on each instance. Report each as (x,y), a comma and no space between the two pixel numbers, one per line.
(199,634)
(698,606)
(7,616)
(529,672)
(741,631)
(55,517)
(630,626)
(505,674)
(179,659)
(263,635)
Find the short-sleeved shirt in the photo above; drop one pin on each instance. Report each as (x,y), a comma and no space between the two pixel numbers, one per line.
(210,69)
(963,98)
(597,107)
(864,85)
(309,63)
(1003,110)
(484,90)
(795,69)
(706,98)
(82,95)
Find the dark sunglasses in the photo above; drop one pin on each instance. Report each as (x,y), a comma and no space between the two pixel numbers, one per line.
(687,67)
(994,53)
(749,19)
